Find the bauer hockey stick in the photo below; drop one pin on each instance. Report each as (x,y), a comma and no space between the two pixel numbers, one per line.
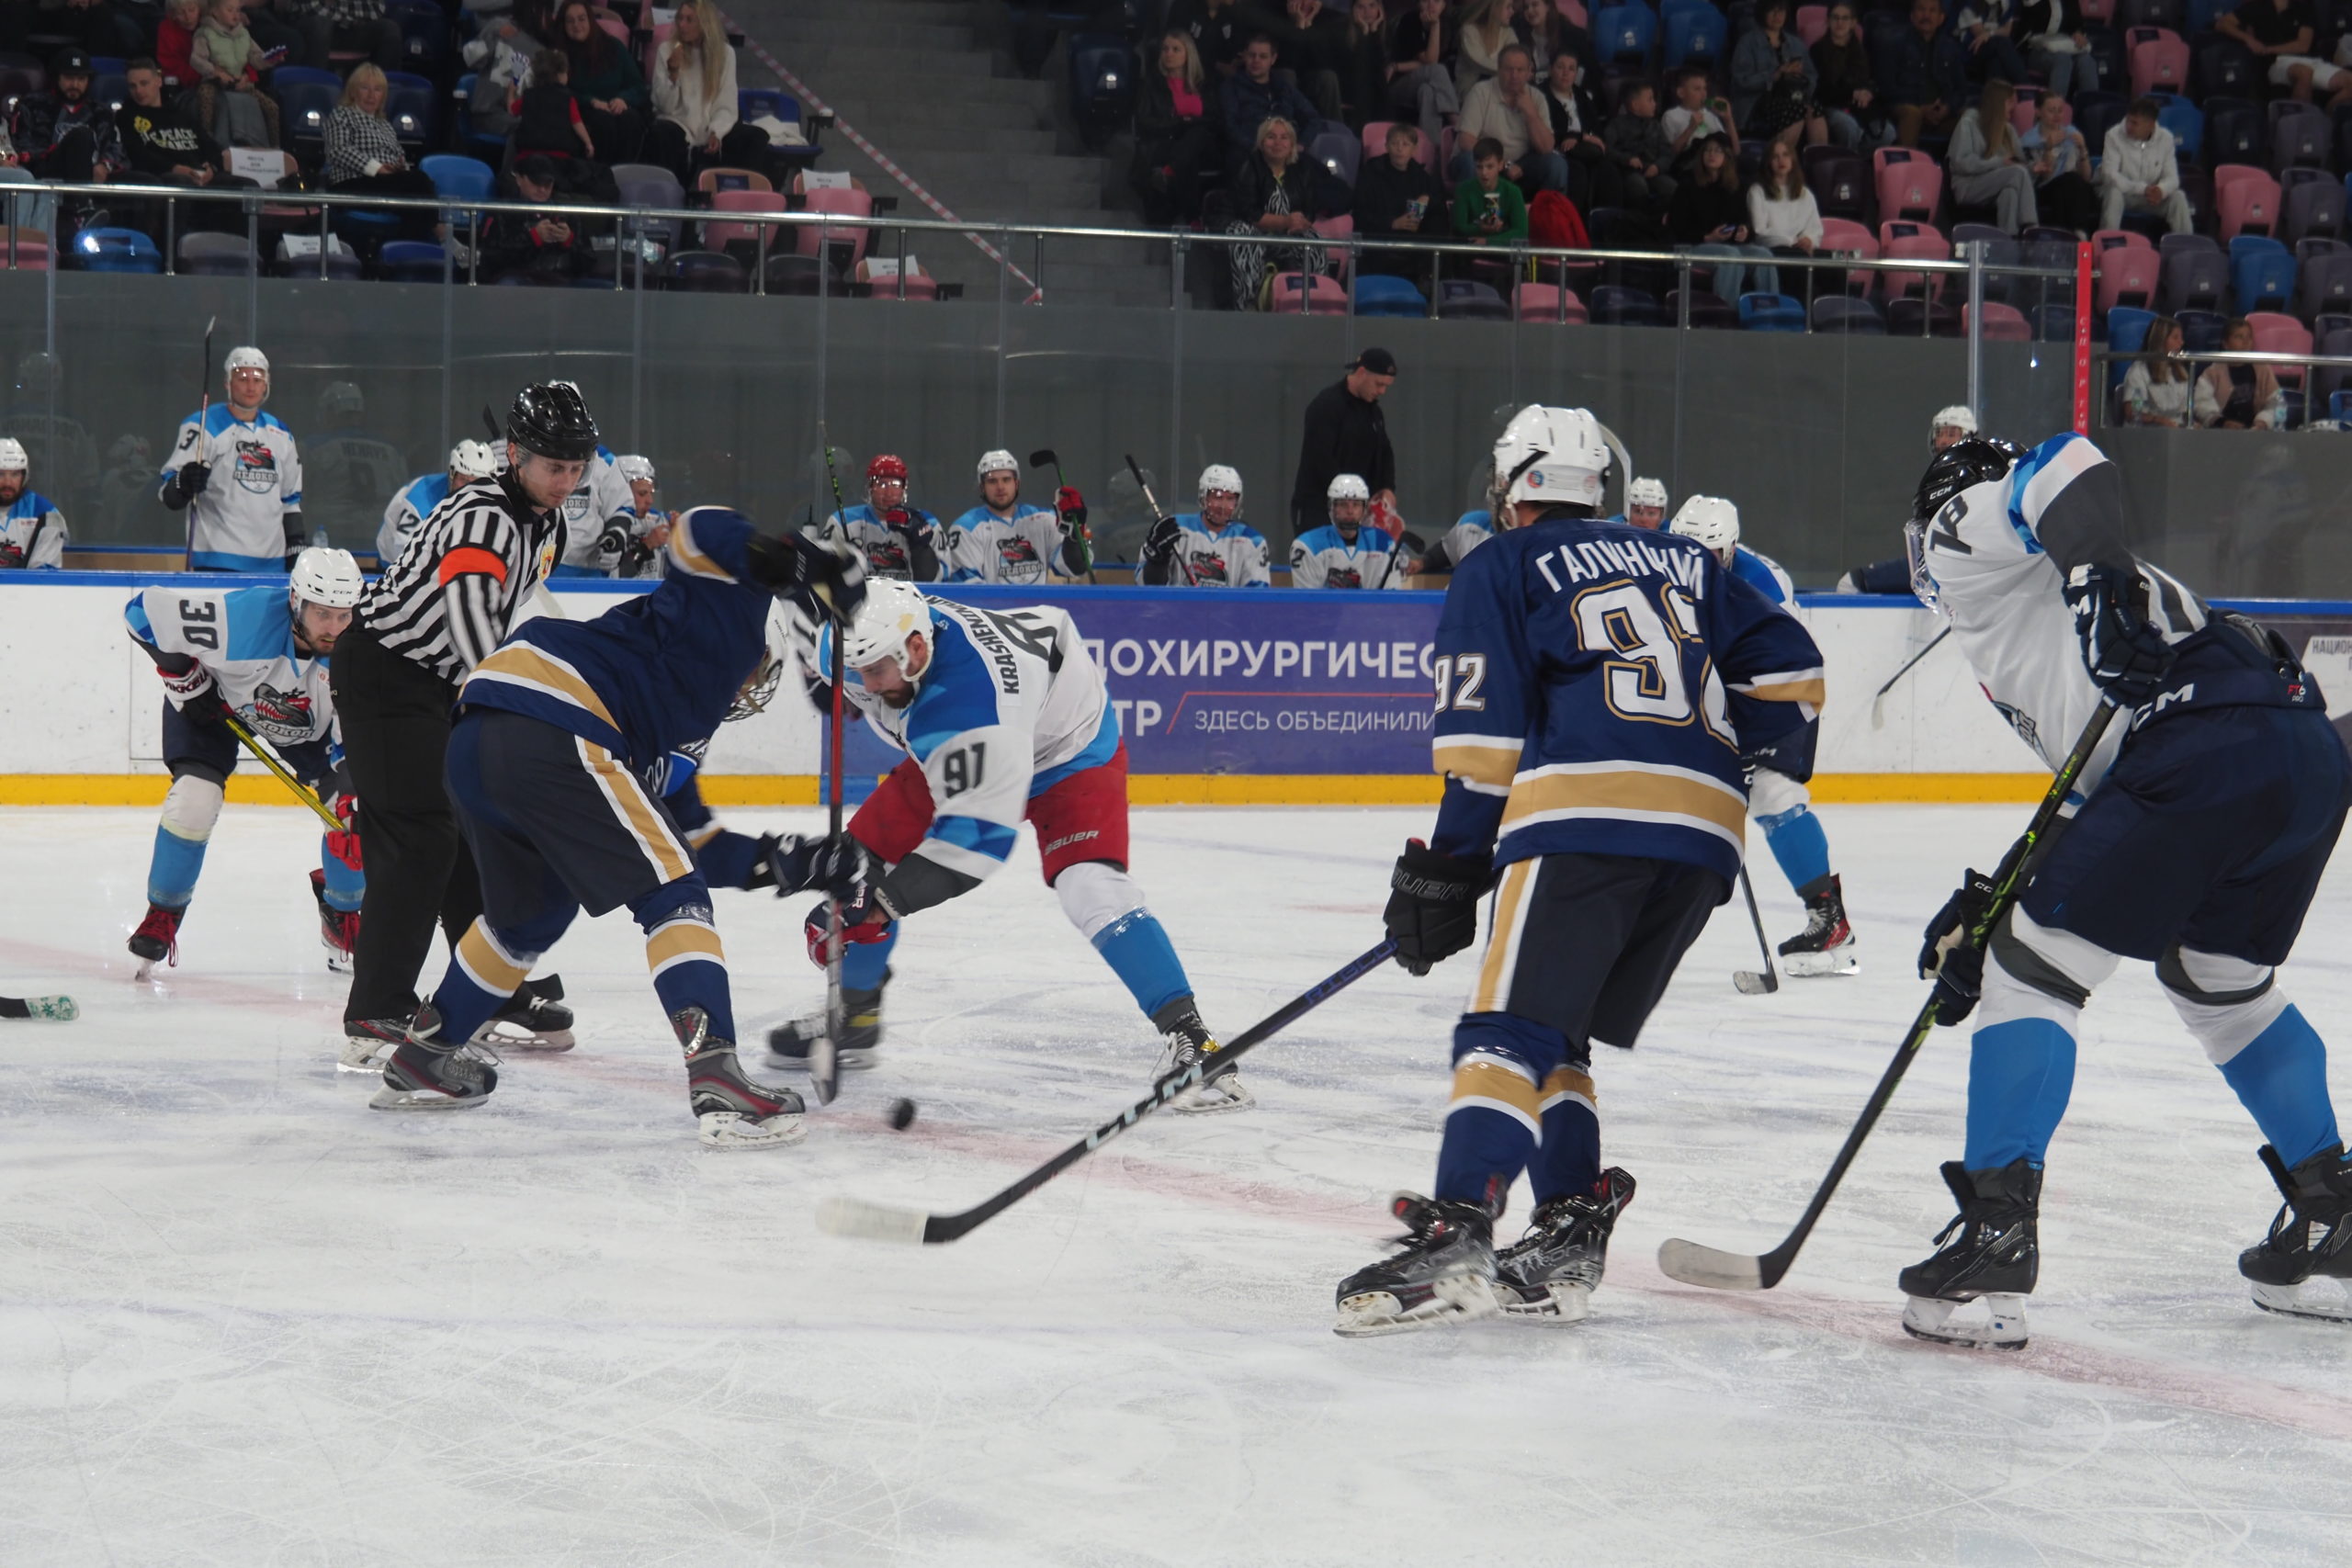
(1750,983)
(1191,578)
(880,1222)
(1696,1265)
(824,1055)
(1878,701)
(268,759)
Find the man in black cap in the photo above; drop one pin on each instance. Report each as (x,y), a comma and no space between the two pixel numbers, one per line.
(1346,433)
(538,247)
(66,134)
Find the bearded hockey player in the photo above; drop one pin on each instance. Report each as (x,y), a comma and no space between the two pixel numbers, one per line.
(1346,552)
(900,542)
(33,531)
(235,472)
(1208,549)
(1007,539)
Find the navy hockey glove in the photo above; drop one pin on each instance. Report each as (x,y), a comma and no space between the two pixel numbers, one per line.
(795,863)
(2125,655)
(1950,957)
(832,575)
(1433,904)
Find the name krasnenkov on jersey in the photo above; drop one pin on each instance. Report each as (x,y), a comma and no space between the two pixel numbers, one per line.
(1597,560)
(999,651)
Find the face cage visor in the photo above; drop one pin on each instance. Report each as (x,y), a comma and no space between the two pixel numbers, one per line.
(1923,577)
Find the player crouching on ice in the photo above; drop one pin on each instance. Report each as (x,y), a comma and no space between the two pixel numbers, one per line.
(1591,755)
(261,655)
(1005,718)
(1777,772)
(553,735)
(2206,819)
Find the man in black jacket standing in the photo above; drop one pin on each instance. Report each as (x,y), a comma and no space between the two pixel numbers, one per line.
(1346,433)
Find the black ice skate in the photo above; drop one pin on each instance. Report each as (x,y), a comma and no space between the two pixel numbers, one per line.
(157,939)
(1549,1274)
(1442,1272)
(338,928)
(1995,1256)
(861,1041)
(426,1073)
(1826,946)
(734,1112)
(2311,1239)
(534,1019)
(1186,1041)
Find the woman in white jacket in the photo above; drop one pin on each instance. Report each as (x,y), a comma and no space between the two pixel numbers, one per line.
(694,121)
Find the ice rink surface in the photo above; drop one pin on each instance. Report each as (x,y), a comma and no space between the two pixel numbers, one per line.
(245,1320)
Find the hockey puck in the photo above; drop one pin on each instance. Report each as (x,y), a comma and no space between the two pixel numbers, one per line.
(902,1114)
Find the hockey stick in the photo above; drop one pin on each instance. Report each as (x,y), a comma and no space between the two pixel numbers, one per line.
(1696,1265)
(880,1222)
(1749,982)
(269,759)
(62,1009)
(824,1058)
(1045,457)
(1877,703)
(203,413)
(1191,578)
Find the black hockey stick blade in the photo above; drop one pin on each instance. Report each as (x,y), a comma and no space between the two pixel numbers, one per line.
(1719,1271)
(1750,983)
(882,1221)
(1044,457)
(1878,698)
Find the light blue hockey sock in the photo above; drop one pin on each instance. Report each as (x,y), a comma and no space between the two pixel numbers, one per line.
(346,885)
(864,963)
(2281,1079)
(172,870)
(1137,950)
(1797,841)
(2020,1075)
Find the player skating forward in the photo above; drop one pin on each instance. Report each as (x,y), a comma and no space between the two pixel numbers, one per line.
(1346,552)
(1777,797)
(1596,688)
(235,469)
(33,531)
(260,653)
(553,732)
(468,460)
(1208,549)
(2208,815)
(898,541)
(1007,539)
(1005,718)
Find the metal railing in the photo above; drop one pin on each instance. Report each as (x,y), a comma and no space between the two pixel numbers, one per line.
(2196,362)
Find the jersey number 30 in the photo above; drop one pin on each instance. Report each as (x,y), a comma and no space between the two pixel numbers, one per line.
(1646,681)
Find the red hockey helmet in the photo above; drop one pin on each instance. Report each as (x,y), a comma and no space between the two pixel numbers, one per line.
(886,466)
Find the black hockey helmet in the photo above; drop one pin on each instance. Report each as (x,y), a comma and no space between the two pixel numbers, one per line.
(1977,460)
(551,419)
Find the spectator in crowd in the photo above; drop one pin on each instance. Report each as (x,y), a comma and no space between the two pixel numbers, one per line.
(1843,84)
(2056,45)
(530,247)
(1507,110)
(2280,31)
(1990,28)
(1695,116)
(546,117)
(1489,209)
(365,156)
(100,27)
(1709,217)
(1176,132)
(605,81)
(2156,390)
(228,71)
(1420,68)
(1546,35)
(1346,433)
(67,135)
(164,145)
(695,125)
(2061,163)
(1254,95)
(1928,76)
(1772,81)
(1987,163)
(276,34)
(1577,124)
(1208,549)
(1396,197)
(500,56)
(2139,171)
(1484,33)
(330,25)
(1216,29)
(1273,197)
(175,42)
(1310,43)
(1364,65)
(1783,215)
(33,531)
(1638,146)
(2239,397)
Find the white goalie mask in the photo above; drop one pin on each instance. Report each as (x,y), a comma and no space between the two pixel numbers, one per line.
(1547,456)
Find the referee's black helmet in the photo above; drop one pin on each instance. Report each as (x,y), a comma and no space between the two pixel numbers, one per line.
(551,419)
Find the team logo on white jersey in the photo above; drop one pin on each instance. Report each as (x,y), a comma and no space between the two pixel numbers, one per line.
(281,715)
(256,466)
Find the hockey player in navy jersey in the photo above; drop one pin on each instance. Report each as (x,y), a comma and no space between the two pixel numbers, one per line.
(1346,552)
(1209,549)
(415,504)
(556,734)
(1597,686)
(2207,816)
(235,469)
(260,653)
(1007,539)
(1777,796)
(900,542)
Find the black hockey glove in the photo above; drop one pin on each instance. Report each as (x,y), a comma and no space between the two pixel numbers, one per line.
(820,692)
(2125,654)
(1950,957)
(187,484)
(832,574)
(841,868)
(1433,904)
(1160,542)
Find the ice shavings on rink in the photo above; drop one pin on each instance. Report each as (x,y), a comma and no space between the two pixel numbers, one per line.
(244,1321)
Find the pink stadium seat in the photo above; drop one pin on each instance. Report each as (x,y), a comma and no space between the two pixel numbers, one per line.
(919,284)
(2128,274)
(1912,241)
(1297,293)
(1813,24)
(2246,199)
(2098,10)
(2277,333)
(613,26)
(31,246)
(1376,144)
(1845,234)
(2003,323)
(851,203)
(1910,183)
(1574,11)
(1340,228)
(2106,240)
(1544,302)
(2159,61)
(715,235)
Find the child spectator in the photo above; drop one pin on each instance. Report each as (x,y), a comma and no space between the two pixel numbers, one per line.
(546,117)
(695,125)
(2060,161)
(1420,68)
(1988,164)
(228,67)
(164,144)
(1693,118)
(2239,397)
(2140,172)
(1782,214)
(1638,146)
(1488,210)
(1394,198)
(1709,217)
(606,82)
(1176,132)
(2156,388)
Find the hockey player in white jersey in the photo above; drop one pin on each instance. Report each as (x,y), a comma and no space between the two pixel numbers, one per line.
(1208,549)
(261,654)
(645,556)
(900,542)
(468,460)
(1645,503)
(1007,539)
(1004,719)
(347,471)
(2206,819)
(1778,772)
(1469,531)
(235,470)
(32,530)
(599,518)
(1346,552)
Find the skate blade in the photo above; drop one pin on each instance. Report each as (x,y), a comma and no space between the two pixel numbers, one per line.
(1839,960)
(843,1061)
(733,1129)
(1220,1095)
(2003,1328)
(1560,1305)
(364,1056)
(504,1034)
(338,962)
(391,1099)
(2331,1304)
(146,970)
(1459,1298)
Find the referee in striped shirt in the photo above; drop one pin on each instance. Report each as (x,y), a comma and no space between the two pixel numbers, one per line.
(438,611)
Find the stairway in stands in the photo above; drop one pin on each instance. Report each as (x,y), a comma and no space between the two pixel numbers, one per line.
(931,83)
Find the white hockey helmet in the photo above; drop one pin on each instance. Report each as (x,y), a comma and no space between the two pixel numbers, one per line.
(1217,476)
(1347,486)
(1710,519)
(1645,491)
(12,455)
(246,358)
(323,576)
(340,397)
(1956,417)
(893,611)
(1551,455)
(998,461)
(634,467)
(472,460)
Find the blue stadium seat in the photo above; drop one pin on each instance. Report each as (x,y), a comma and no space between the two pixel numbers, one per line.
(1462,299)
(410,106)
(1771,313)
(2201,332)
(2234,132)
(2339,407)
(305,98)
(1694,35)
(2127,332)
(1627,32)
(1103,80)
(2185,121)
(1840,313)
(411,260)
(2262,274)
(425,32)
(1613,304)
(1382,296)
(116,250)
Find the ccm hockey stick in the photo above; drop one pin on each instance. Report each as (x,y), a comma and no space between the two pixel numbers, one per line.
(1878,701)
(1191,578)
(824,1055)
(269,759)
(1750,983)
(880,1222)
(1696,1265)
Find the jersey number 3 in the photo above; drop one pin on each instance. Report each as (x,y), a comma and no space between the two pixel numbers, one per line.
(1647,682)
